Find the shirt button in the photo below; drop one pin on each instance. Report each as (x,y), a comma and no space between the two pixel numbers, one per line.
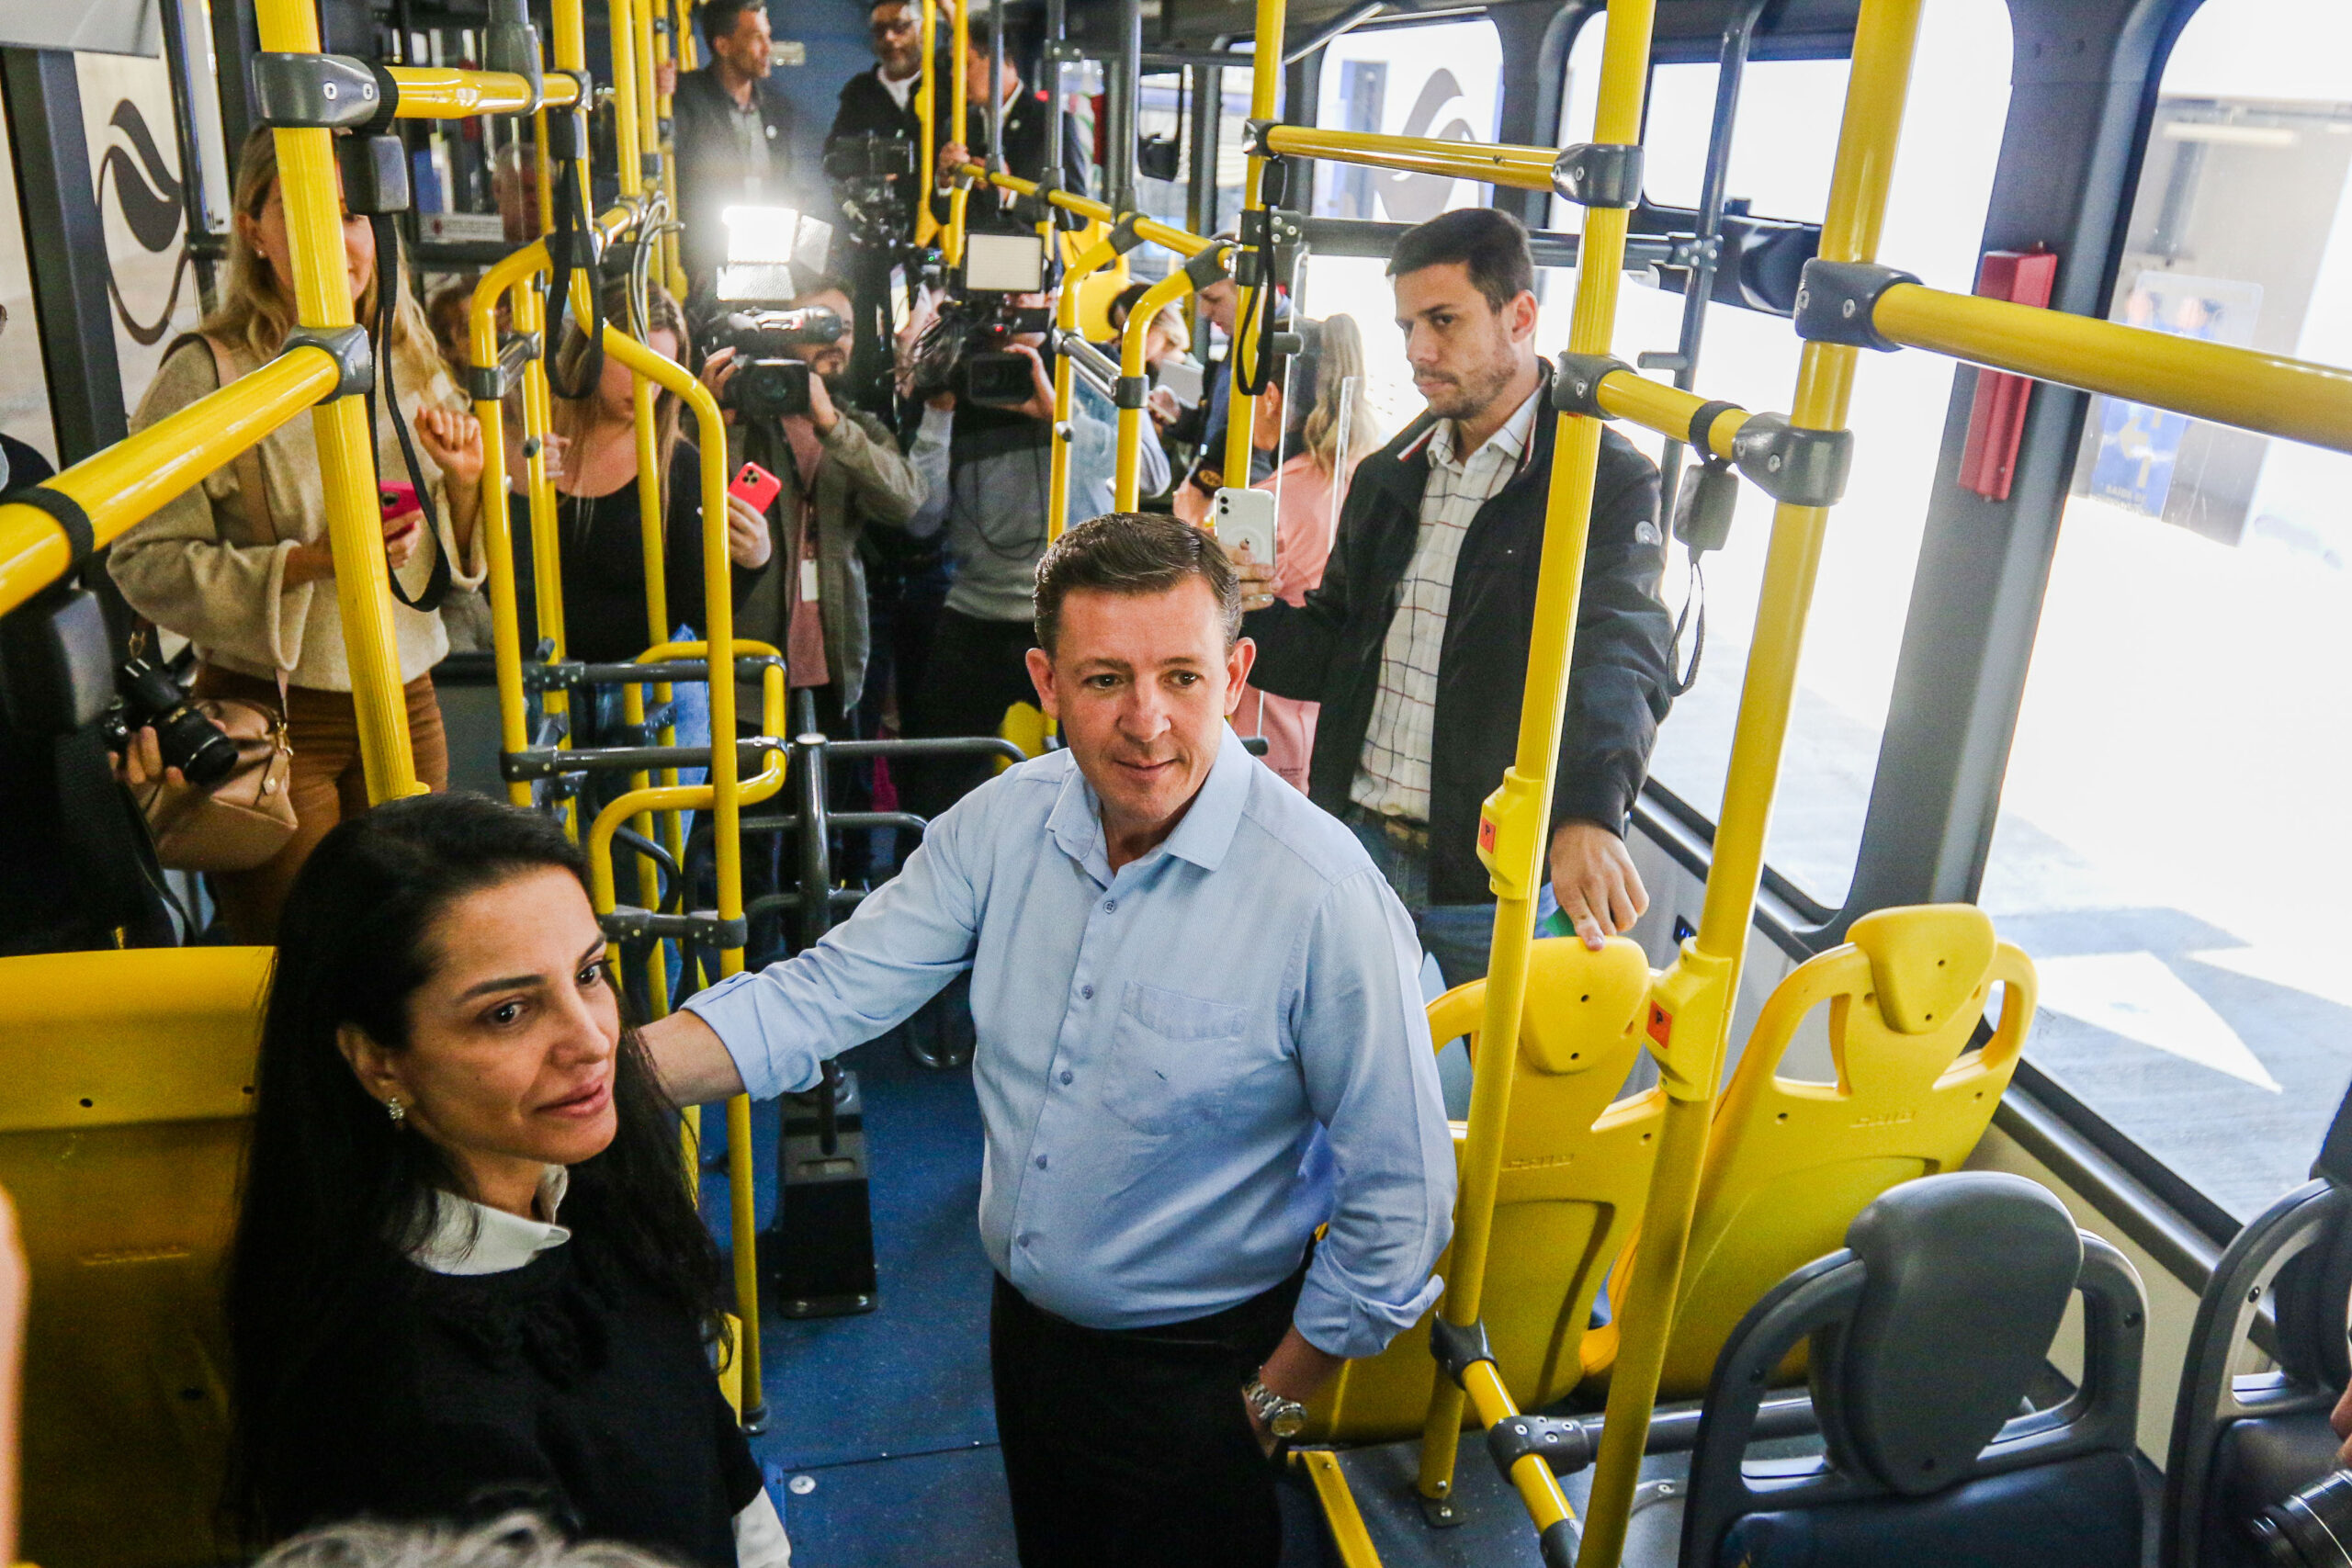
(1086,993)
(1109,905)
(1041,1162)
(1067,1076)
(1023,1239)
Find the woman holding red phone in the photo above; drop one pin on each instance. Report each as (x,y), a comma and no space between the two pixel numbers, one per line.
(240,564)
(605,617)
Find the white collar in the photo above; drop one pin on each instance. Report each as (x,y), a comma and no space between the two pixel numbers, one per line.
(468,1237)
(1509,442)
(900,88)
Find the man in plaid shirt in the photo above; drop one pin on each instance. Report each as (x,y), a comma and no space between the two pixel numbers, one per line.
(1416,642)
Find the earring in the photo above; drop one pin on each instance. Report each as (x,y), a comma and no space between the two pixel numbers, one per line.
(395,1110)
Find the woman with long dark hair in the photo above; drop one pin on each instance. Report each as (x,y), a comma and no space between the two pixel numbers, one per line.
(413,1335)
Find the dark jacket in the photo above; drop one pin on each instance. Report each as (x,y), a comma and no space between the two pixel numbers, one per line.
(711,176)
(1026,142)
(1329,649)
(866,108)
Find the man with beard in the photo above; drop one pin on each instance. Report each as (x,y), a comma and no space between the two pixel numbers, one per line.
(842,472)
(881,102)
(1416,642)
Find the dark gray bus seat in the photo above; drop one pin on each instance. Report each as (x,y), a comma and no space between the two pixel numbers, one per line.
(2240,1444)
(1926,1333)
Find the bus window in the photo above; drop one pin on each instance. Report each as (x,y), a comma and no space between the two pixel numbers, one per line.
(24,384)
(1782,152)
(1441,79)
(2173,837)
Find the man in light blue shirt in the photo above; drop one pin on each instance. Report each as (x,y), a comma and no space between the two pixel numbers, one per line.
(1200,1038)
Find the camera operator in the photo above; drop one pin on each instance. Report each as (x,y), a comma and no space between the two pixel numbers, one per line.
(842,472)
(733,129)
(877,109)
(989,468)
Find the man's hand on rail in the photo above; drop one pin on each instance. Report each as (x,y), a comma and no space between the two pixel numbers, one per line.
(1593,877)
(694,1067)
(953,156)
(665,78)
(749,544)
(716,371)
(1257,577)
(1041,385)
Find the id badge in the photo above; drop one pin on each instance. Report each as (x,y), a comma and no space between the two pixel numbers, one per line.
(808,595)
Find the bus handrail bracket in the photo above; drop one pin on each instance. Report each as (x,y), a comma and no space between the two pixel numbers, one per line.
(1565,1446)
(1836,299)
(1799,466)
(1458,1347)
(1575,382)
(354,359)
(317,92)
(1600,174)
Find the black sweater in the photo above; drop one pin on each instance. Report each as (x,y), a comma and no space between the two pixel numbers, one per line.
(604,566)
(1328,651)
(566,1385)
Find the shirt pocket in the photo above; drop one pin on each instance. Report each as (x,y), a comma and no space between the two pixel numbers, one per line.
(1174,1059)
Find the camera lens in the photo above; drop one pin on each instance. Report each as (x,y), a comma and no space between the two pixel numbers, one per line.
(2310,1530)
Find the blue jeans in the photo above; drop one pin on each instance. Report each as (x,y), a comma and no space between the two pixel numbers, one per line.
(1457,935)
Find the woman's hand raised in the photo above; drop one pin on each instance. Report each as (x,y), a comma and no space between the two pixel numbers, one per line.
(749,544)
(452,439)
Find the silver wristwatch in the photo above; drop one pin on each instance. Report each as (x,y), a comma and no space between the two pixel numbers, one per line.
(1285,1418)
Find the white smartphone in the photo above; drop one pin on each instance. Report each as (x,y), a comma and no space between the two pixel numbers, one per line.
(1246,517)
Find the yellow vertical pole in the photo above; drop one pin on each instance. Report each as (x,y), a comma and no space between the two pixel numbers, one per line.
(649,108)
(1127,478)
(959,122)
(653,536)
(497,514)
(1517,816)
(627,145)
(529,313)
(1699,990)
(927,113)
(1241,356)
(1066,318)
(673,47)
(311,193)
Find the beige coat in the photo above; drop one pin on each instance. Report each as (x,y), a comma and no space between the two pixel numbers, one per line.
(196,567)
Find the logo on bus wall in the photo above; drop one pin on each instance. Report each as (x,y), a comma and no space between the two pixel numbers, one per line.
(1417,199)
(149,198)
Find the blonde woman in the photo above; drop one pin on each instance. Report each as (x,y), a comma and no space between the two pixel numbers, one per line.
(1311,487)
(240,564)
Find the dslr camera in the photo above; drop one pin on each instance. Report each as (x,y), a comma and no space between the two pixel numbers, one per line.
(146,696)
(870,176)
(771,380)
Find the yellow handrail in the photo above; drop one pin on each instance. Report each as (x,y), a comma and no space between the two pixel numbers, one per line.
(927,115)
(959,123)
(1128,474)
(312,196)
(725,793)
(497,511)
(1692,1001)
(1101,254)
(1241,354)
(2267,393)
(1523,168)
(127,482)
(430,92)
(626,135)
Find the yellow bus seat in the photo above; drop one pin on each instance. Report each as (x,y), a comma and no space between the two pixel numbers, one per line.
(1095,292)
(1024,726)
(1790,1164)
(125,1087)
(1576,1171)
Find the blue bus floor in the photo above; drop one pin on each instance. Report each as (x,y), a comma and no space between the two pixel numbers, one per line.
(884,1421)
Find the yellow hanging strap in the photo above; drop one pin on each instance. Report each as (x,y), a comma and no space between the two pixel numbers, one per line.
(1692,1001)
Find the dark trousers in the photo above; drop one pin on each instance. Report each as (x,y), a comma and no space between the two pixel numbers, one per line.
(1131,1447)
(976,670)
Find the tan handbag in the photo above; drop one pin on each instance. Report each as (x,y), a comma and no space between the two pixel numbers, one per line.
(247,817)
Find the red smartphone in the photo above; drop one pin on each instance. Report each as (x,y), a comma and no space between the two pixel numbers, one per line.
(397,500)
(755,485)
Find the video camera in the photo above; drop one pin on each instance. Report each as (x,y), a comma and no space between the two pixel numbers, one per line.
(871,177)
(966,350)
(771,381)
